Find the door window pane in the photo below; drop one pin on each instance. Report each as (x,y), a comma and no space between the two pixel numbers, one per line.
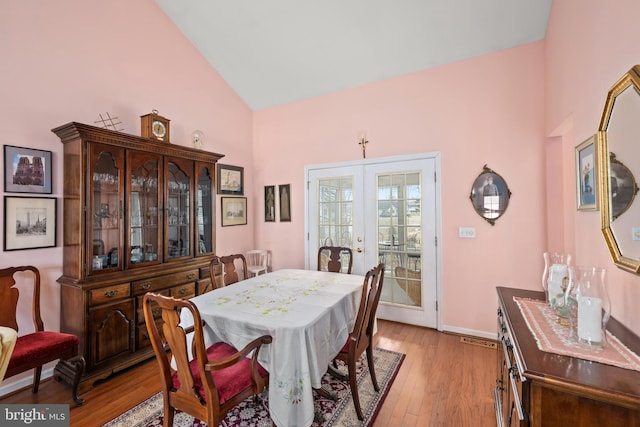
(399,229)
(335,205)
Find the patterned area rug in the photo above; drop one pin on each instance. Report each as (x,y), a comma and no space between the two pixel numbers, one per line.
(340,412)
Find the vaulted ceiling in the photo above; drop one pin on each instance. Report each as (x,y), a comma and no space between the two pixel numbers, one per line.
(274,52)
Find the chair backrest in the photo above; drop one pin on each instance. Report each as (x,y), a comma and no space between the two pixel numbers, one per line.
(231,263)
(216,273)
(186,398)
(257,260)
(335,259)
(9,298)
(362,334)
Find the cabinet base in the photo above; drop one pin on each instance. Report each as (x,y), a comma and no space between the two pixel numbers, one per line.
(88,380)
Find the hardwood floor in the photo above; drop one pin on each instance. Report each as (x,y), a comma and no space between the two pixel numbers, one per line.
(442,382)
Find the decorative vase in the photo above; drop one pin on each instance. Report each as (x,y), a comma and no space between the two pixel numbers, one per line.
(592,306)
(553,277)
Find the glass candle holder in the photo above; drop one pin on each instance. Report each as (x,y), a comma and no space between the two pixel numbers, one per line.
(593,306)
(555,270)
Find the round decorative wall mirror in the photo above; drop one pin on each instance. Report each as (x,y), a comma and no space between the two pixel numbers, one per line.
(490,195)
(618,164)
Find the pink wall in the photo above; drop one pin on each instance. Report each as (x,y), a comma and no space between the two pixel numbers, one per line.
(485,110)
(589,45)
(520,111)
(70,60)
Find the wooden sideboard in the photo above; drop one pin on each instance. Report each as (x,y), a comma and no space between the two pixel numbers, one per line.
(139,216)
(555,390)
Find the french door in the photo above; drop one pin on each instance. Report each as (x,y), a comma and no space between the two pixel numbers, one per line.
(385,210)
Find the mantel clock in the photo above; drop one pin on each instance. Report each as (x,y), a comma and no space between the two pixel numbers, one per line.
(155,126)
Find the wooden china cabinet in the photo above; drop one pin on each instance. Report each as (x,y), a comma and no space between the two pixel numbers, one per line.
(139,216)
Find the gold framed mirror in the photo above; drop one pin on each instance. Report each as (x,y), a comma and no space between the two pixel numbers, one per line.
(618,164)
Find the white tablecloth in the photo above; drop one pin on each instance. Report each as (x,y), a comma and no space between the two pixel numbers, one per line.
(309,315)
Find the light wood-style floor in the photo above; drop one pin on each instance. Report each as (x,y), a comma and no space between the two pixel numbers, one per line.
(442,382)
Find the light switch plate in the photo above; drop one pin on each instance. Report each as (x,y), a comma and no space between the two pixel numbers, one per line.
(467,232)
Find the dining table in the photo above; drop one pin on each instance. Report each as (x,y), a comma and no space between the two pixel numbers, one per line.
(309,315)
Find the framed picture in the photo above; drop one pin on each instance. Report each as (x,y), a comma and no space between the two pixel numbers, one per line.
(230,180)
(270,203)
(27,170)
(284,193)
(490,195)
(29,222)
(586,175)
(234,211)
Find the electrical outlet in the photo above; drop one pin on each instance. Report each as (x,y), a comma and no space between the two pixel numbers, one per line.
(467,232)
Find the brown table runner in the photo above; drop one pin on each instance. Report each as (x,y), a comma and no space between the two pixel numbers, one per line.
(553,337)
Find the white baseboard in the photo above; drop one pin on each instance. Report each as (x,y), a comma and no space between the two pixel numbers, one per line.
(11,386)
(470,332)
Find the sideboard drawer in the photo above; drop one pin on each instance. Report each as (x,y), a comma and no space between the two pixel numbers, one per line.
(152,284)
(155,310)
(109,294)
(184,291)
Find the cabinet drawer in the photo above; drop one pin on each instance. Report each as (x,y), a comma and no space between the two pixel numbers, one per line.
(142,335)
(154,306)
(184,291)
(110,293)
(204,286)
(152,284)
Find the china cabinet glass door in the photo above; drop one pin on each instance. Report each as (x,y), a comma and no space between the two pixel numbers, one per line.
(105,212)
(144,211)
(178,205)
(204,210)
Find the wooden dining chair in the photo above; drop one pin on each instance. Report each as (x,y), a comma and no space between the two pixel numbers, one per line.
(215,379)
(216,273)
(34,349)
(230,264)
(361,338)
(335,259)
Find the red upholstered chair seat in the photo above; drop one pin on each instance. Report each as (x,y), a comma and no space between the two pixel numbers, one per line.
(229,381)
(31,349)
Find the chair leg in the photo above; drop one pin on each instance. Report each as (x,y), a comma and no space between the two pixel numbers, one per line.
(353,384)
(372,368)
(71,371)
(36,378)
(168,416)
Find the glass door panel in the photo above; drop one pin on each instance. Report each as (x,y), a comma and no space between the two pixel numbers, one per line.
(204,211)
(335,213)
(399,225)
(105,207)
(335,204)
(178,206)
(144,210)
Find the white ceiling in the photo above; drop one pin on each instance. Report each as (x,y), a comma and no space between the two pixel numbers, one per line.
(274,52)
